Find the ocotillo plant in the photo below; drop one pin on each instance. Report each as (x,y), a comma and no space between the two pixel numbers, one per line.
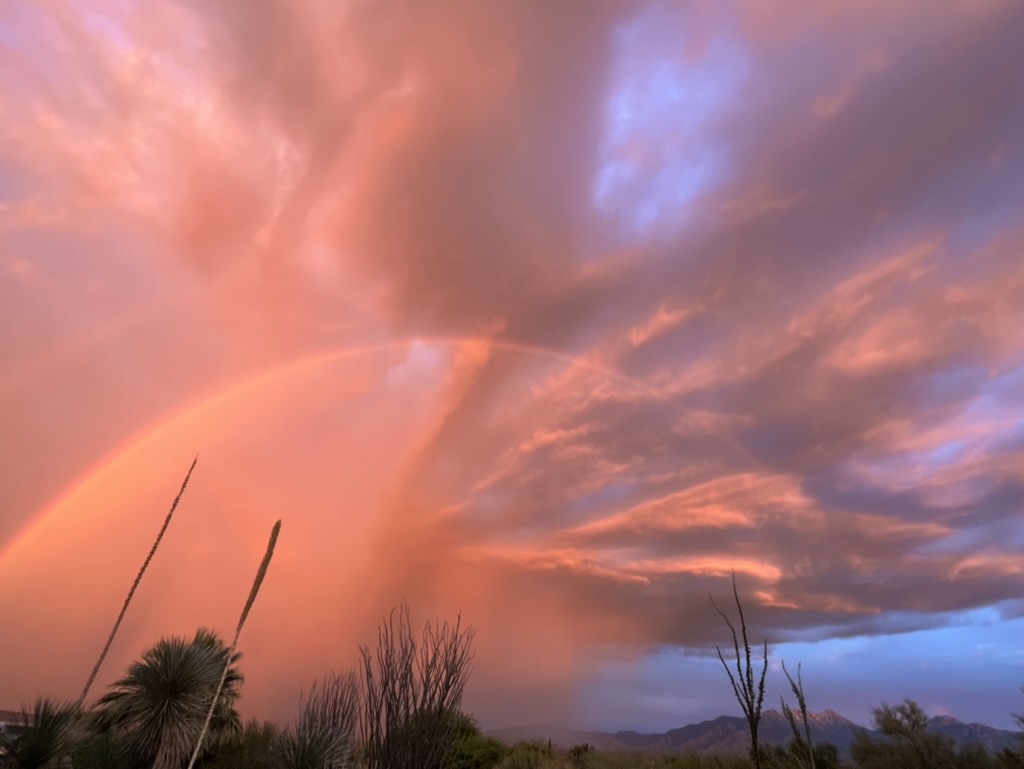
(750,698)
(260,574)
(135,584)
(413,691)
(803,743)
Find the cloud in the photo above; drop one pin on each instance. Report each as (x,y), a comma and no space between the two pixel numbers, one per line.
(554,313)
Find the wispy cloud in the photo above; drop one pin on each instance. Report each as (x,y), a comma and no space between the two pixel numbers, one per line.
(555,313)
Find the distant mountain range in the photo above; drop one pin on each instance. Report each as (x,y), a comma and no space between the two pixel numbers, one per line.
(730,734)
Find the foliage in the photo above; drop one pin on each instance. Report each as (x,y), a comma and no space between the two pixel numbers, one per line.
(750,698)
(579,754)
(50,733)
(411,691)
(528,754)
(408,712)
(1019,717)
(794,755)
(476,752)
(539,755)
(1007,758)
(102,750)
(905,719)
(470,748)
(826,756)
(973,755)
(254,747)
(159,706)
(323,735)
(463,725)
(906,741)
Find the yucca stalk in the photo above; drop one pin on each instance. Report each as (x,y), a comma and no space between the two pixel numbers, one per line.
(135,585)
(260,574)
(750,698)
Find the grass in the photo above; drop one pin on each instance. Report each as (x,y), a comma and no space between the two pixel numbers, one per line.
(532,755)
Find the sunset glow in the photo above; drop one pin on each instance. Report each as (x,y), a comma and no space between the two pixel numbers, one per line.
(552,313)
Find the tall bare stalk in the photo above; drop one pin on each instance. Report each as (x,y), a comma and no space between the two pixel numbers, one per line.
(751,698)
(260,574)
(803,745)
(413,692)
(135,584)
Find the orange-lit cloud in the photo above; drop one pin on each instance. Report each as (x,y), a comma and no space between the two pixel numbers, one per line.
(552,313)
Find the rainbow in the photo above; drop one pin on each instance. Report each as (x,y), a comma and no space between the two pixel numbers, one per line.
(202,407)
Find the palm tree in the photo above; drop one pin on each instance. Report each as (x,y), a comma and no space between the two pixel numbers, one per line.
(161,704)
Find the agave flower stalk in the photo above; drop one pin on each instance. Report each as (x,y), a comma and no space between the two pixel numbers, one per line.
(260,574)
(135,585)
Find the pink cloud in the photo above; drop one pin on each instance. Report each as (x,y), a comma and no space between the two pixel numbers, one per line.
(356,256)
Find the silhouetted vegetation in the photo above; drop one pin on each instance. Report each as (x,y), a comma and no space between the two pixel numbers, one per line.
(471,748)
(156,711)
(323,736)
(256,746)
(135,585)
(402,710)
(48,733)
(907,742)
(749,696)
(413,691)
(802,746)
(149,718)
(261,572)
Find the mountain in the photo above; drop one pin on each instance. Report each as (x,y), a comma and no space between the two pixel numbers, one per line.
(730,734)
(993,740)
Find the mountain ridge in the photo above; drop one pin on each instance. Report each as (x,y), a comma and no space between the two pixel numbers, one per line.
(730,734)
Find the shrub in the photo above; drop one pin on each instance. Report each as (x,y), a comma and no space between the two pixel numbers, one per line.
(412,692)
(476,752)
(528,754)
(159,706)
(906,741)
(579,754)
(252,748)
(102,751)
(323,734)
(50,733)
(472,749)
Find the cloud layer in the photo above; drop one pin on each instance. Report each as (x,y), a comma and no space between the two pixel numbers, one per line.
(552,313)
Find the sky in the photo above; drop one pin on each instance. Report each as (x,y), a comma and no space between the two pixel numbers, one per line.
(555,314)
